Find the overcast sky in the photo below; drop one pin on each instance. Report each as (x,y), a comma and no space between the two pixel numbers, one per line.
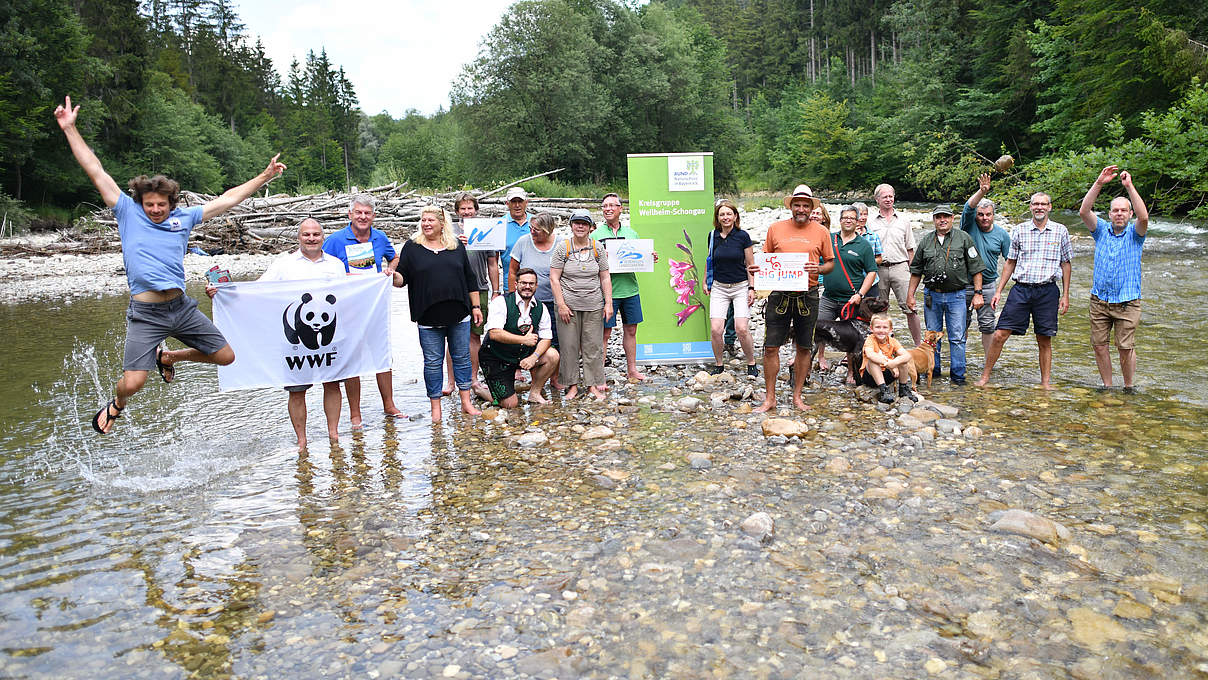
(399,55)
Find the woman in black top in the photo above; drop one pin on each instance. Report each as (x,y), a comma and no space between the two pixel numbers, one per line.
(435,266)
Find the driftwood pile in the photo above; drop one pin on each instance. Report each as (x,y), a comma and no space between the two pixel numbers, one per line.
(268,224)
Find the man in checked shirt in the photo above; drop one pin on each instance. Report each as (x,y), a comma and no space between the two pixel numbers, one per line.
(1039,257)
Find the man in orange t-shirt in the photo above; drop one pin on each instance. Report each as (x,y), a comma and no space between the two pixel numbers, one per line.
(797,310)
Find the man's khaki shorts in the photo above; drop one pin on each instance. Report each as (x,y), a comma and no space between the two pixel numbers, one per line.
(1123,316)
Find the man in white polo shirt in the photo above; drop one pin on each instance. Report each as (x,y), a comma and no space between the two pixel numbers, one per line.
(897,250)
(307,262)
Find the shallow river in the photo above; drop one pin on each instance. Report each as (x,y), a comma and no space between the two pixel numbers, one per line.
(195,542)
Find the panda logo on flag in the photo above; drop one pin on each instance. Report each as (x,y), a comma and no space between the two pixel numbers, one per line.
(311,321)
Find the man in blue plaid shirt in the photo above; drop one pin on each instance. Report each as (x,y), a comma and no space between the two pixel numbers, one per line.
(1116,281)
(1039,257)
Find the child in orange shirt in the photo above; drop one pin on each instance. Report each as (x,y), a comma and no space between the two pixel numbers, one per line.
(883,354)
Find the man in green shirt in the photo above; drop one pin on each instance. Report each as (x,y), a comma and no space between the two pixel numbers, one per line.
(625,299)
(946,261)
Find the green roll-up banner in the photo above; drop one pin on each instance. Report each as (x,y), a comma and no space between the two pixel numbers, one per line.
(671,201)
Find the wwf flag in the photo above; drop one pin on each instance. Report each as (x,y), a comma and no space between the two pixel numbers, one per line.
(303,332)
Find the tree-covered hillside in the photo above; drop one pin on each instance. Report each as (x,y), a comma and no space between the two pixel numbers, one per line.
(836,93)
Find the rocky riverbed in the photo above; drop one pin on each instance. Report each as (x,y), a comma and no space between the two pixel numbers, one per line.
(667,533)
(672,533)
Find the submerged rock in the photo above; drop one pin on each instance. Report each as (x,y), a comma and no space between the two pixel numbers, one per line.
(760,526)
(1032,525)
(532,439)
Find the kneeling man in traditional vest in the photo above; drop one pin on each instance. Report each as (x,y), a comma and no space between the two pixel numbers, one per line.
(512,344)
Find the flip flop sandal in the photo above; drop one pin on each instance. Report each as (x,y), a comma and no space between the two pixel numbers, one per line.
(96,420)
(163,368)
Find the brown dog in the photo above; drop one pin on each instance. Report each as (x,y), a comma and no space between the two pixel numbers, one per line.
(922,358)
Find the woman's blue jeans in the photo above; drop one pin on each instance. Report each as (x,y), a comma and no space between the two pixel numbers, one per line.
(432,340)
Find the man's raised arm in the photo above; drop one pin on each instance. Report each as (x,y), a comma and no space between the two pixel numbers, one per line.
(1087,210)
(1139,210)
(66,117)
(233,197)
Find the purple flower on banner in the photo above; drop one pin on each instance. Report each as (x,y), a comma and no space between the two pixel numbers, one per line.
(684,313)
(684,282)
(686,289)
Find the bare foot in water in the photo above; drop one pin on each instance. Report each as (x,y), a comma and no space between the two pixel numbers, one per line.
(797,403)
(467,404)
(436,410)
(981,383)
(571,393)
(636,375)
(535,397)
(596,393)
(767,405)
(447,389)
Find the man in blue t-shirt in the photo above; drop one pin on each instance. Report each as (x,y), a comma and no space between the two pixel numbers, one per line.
(517,223)
(363,249)
(1116,279)
(992,242)
(155,235)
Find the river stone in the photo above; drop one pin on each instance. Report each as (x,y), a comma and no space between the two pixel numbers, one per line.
(602,482)
(699,461)
(948,426)
(924,415)
(838,464)
(984,624)
(866,394)
(1094,629)
(759,525)
(784,427)
(942,409)
(1028,524)
(529,440)
(973,432)
(597,432)
(558,661)
(926,434)
(909,422)
(688,404)
(1131,609)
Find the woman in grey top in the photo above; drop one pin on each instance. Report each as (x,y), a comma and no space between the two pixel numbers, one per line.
(533,251)
(578,273)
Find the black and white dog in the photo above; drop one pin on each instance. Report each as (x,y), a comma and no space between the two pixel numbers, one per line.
(848,335)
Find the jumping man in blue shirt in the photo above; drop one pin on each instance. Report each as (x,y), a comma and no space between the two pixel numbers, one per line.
(155,234)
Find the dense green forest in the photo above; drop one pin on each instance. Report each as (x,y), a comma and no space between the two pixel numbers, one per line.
(840,94)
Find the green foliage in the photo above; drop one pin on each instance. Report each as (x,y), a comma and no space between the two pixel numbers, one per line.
(944,165)
(552,188)
(580,84)
(1103,58)
(1168,162)
(15,217)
